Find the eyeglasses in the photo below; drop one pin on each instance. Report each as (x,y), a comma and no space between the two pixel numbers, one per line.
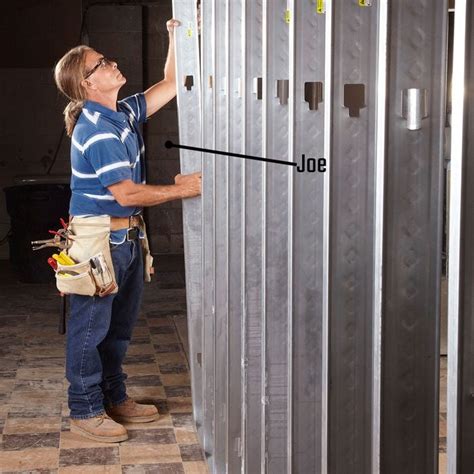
(103,62)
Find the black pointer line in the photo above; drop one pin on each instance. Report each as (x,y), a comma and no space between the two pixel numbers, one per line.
(170,144)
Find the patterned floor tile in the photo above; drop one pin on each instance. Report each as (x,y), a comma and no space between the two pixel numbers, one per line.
(136,349)
(149,436)
(32,425)
(73,441)
(139,340)
(442,444)
(50,373)
(191,452)
(141,369)
(159,318)
(443,467)
(144,381)
(88,469)
(178,391)
(186,436)
(182,379)
(89,456)
(199,467)
(7,374)
(7,385)
(30,440)
(164,421)
(166,348)
(168,468)
(44,385)
(21,410)
(140,359)
(180,404)
(149,454)
(168,330)
(182,420)
(143,331)
(29,459)
(146,394)
(171,358)
(172,368)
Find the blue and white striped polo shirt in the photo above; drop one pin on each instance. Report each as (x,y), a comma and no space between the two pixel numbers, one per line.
(107,147)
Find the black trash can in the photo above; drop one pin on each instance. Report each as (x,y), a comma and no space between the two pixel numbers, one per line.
(34,209)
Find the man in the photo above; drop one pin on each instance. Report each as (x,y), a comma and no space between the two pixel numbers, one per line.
(107,161)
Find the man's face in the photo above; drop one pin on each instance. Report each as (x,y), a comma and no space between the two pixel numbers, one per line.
(106,77)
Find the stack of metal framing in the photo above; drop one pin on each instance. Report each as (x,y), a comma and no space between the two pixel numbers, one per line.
(460,403)
(313,297)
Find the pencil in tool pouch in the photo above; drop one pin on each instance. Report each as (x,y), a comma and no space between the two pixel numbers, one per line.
(102,274)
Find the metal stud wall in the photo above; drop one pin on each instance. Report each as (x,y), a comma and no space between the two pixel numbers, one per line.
(412,236)
(313,295)
(352,232)
(460,409)
(190,126)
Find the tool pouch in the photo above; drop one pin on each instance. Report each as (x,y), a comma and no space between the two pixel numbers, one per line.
(86,278)
(76,279)
(89,238)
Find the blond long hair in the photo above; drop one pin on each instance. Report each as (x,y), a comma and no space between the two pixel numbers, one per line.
(68,75)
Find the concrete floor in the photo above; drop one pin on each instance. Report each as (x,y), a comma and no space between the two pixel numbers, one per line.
(33,410)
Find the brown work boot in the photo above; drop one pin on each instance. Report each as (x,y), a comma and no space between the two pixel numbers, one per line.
(99,428)
(132,412)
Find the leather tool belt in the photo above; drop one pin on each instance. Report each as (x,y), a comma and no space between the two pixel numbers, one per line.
(133,224)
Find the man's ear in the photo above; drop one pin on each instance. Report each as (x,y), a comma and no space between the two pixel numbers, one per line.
(87,84)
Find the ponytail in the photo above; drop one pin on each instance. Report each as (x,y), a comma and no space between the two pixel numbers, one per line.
(71,114)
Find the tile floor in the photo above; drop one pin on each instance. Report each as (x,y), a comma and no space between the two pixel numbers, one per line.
(33,410)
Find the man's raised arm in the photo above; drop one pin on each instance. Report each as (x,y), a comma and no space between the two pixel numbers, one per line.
(161,93)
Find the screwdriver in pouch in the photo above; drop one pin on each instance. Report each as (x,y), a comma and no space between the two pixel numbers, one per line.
(97,269)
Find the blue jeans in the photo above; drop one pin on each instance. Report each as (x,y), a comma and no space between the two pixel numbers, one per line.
(98,335)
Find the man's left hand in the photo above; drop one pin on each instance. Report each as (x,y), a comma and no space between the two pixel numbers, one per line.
(171,25)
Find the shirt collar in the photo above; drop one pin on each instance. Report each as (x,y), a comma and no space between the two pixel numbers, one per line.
(92,106)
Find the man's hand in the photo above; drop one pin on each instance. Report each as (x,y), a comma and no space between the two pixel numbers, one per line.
(171,25)
(190,184)
(127,193)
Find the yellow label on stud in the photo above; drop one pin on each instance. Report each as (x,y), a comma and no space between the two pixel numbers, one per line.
(365,3)
(189,31)
(320,7)
(287,16)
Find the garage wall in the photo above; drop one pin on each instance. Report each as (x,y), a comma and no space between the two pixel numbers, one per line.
(38,33)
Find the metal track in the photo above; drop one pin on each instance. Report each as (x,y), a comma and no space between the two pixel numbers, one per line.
(307,126)
(412,234)
(461,270)
(189,105)
(352,208)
